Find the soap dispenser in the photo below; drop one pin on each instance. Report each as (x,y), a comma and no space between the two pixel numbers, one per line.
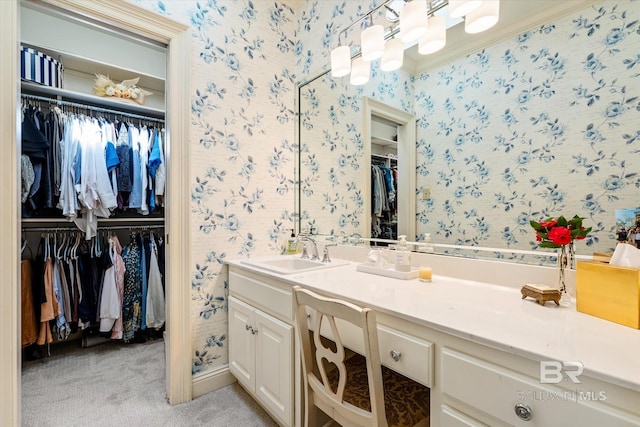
(403,255)
(291,244)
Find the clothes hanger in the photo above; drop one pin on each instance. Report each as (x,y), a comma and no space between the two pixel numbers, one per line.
(60,250)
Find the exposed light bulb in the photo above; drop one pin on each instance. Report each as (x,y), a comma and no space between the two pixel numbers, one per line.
(340,61)
(436,36)
(483,18)
(393,55)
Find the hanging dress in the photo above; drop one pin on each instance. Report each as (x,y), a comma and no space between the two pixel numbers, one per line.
(132,301)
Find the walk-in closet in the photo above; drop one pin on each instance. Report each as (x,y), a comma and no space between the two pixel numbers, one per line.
(384,179)
(93,169)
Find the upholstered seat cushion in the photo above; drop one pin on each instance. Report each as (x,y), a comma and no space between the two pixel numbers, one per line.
(406,402)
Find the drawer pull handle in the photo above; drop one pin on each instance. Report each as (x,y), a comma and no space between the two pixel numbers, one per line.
(523,412)
(395,355)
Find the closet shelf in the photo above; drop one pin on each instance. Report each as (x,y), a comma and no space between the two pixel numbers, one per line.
(101,221)
(63,94)
(382,141)
(382,156)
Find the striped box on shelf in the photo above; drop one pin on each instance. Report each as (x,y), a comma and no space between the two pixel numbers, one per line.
(38,67)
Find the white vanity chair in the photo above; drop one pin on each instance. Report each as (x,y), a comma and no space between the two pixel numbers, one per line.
(353,389)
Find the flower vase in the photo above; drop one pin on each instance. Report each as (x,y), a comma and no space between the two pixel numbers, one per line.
(572,256)
(565,256)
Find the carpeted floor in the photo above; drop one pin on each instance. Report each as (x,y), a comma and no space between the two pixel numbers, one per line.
(121,385)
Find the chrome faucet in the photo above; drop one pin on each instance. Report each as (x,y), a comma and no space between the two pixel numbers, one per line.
(308,239)
(326,258)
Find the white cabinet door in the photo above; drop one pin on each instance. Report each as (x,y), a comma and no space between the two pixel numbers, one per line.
(242,343)
(274,365)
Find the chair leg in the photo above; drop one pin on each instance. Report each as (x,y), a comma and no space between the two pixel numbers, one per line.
(311,415)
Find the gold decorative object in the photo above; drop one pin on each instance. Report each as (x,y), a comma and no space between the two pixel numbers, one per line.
(541,294)
(127,90)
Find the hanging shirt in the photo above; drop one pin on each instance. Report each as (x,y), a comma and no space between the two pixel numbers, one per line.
(135,198)
(143,138)
(118,262)
(110,306)
(68,201)
(95,192)
(155,314)
(161,170)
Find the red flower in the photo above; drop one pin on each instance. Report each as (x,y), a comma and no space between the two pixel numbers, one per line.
(560,236)
(538,238)
(549,224)
(581,237)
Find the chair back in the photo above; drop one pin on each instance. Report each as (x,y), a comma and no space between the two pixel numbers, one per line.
(318,390)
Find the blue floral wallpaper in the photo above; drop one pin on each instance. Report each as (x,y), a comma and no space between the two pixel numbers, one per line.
(542,124)
(242,147)
(331,159)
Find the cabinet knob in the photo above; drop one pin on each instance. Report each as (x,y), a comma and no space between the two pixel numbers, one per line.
(254,331)
(248,327)
(523,412)
(395,355)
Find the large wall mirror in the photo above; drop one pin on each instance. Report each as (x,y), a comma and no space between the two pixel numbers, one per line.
(536,121)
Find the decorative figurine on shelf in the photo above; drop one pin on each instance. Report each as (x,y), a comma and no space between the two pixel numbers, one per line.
(561,233)
(127,91)
(541,293)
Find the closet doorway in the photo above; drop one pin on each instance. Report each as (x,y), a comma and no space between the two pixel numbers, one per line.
(122,17)
(377,115)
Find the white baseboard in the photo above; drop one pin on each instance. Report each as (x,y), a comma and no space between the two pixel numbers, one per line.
(211,381)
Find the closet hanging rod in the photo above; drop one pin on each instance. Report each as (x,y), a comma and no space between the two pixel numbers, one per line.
(107,228)
(90,107)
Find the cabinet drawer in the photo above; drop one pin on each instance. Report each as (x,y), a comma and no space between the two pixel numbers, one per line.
(414,355)
(452,418)
(496,390)
(272,299)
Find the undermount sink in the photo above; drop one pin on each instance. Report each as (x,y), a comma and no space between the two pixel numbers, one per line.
(290,265)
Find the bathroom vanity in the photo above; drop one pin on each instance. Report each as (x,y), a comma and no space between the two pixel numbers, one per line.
(488,356)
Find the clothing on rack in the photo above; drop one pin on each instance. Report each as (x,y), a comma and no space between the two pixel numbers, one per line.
(85,286)
(29,323)
(383,200)
(87,167)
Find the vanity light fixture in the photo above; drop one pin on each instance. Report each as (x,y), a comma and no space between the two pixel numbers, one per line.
(340,61)
(393,55)
(413,20)
(436,36)
(372,42)
(408,22)
(360,71)
(483,18)
(460,8)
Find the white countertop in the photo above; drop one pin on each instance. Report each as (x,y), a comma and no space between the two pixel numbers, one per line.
(491,315)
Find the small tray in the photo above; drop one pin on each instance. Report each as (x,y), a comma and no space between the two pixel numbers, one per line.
(389,271)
